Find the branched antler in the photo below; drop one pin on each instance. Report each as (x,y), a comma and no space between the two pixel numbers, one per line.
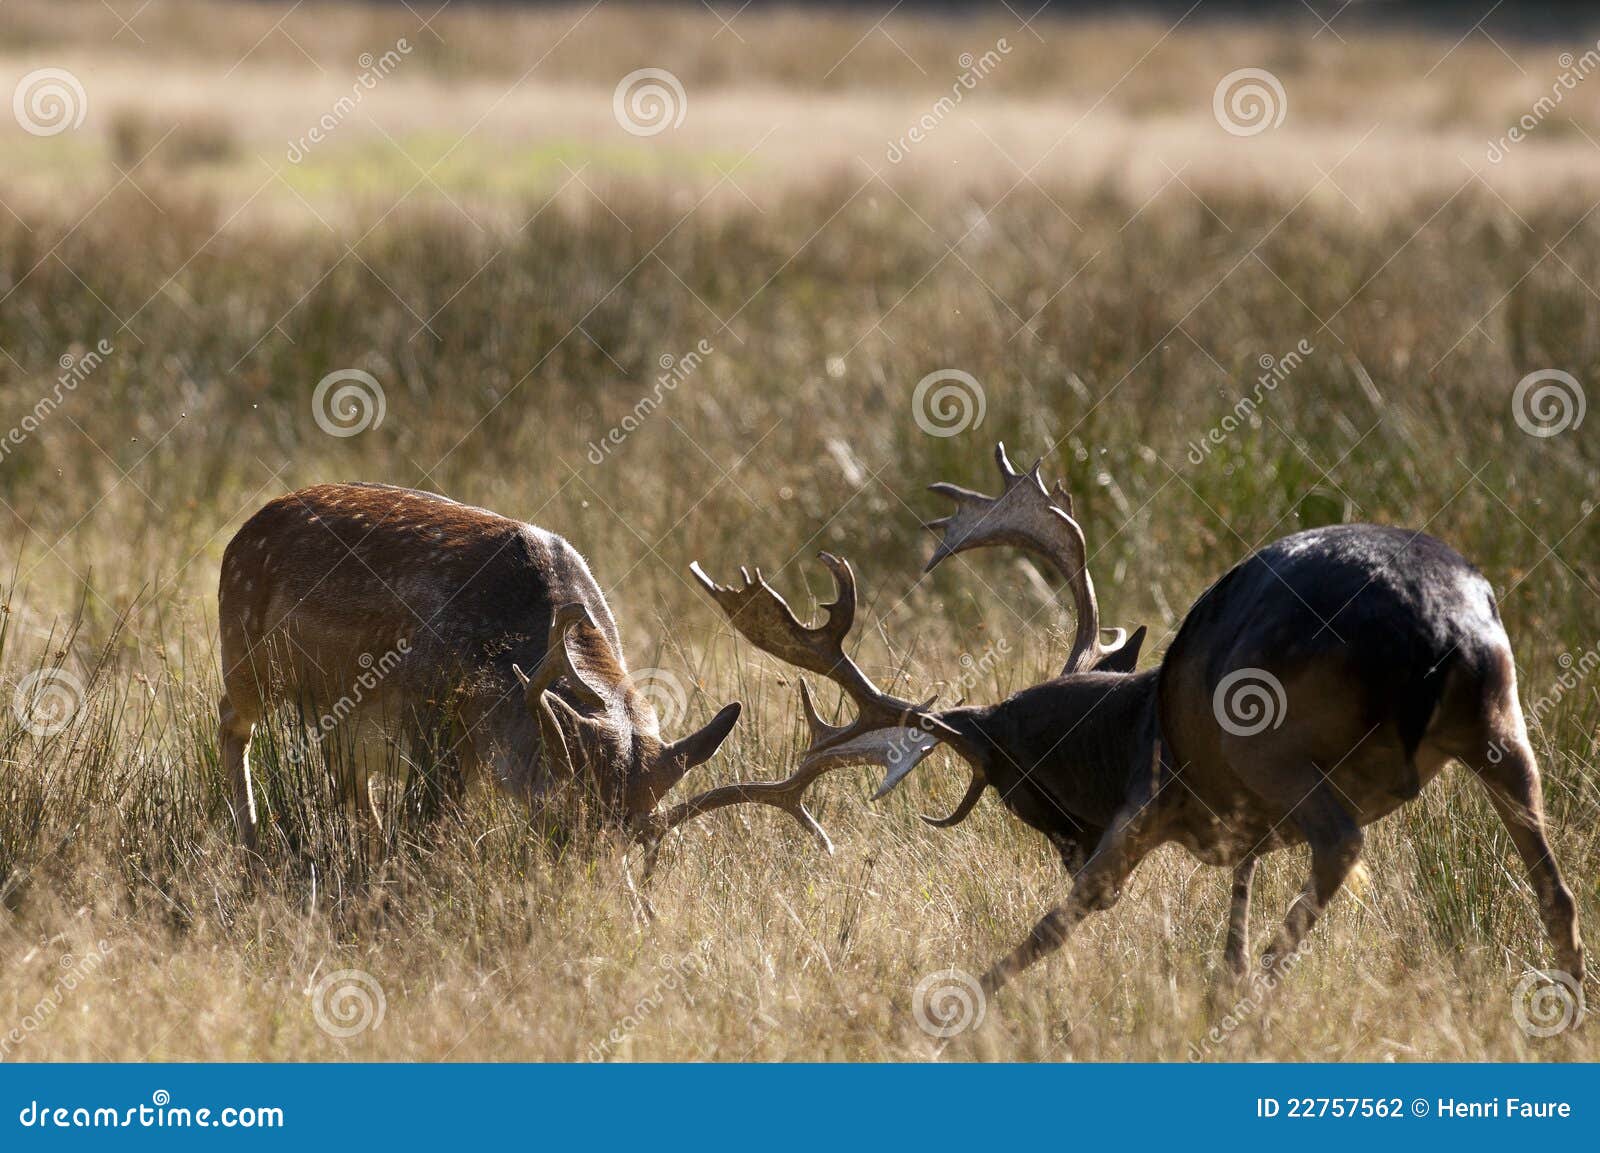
(556,665)
(887,731)
(890,732)
(1027,516)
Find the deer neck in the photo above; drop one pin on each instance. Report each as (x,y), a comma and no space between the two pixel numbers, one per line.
(1065,751)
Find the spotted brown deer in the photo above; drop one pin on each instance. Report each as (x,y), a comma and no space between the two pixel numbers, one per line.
(319,581)
(1315,688)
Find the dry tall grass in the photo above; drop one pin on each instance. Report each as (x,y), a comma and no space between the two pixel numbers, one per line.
(1109,330)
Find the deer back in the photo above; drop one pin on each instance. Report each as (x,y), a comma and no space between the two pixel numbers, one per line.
(1345,633)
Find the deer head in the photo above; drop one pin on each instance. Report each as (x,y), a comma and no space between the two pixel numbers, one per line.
(593,719)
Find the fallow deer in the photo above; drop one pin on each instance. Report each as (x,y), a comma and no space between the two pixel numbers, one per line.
(1312,690)
(319,581)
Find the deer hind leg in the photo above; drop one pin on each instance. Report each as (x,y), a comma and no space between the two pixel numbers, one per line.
(235,739)
(1335,841)
(373,763)
(1511,774)
(1097,886)
(1234,953)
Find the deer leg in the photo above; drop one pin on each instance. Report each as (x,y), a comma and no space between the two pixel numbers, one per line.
(1512,780)
(1098,886)
(1233,953)
(235,739)
(1335,841)
(1071,850)
(373,816)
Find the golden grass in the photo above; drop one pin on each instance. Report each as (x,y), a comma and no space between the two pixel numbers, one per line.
(1112,314)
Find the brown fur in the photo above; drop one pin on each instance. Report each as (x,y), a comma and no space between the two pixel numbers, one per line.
(324,585)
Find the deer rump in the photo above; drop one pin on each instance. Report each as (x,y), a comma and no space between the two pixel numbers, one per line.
(1316,687)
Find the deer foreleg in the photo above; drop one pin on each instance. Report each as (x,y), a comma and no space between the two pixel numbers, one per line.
(1098,885)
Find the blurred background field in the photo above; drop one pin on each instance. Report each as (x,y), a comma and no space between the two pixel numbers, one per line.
(483,235)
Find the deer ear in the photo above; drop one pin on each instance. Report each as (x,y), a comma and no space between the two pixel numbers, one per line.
(1125,657)
(700,746)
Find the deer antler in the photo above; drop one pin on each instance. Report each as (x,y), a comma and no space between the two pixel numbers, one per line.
(889,732)
(556,664)
(1027,516)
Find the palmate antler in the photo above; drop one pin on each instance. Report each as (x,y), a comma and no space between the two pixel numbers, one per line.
(1027,516)
(890,732)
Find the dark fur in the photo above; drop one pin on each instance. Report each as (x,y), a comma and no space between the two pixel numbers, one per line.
(1392,660)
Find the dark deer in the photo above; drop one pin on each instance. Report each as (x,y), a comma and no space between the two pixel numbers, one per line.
(1311,691)
(319,582)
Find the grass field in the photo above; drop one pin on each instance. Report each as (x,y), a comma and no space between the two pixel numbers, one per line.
(516,271)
